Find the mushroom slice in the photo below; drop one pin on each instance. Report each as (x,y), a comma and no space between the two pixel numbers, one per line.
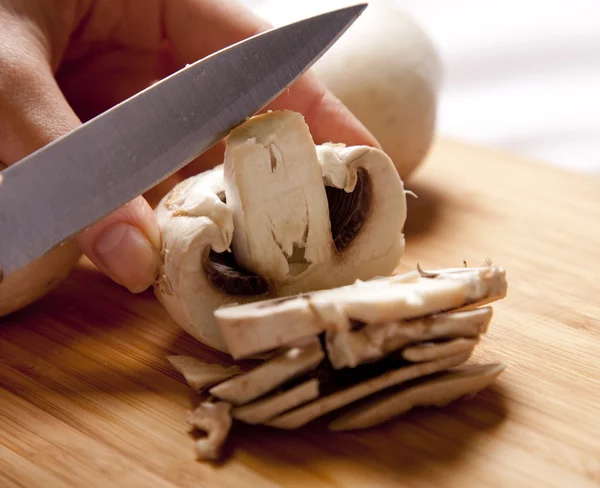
(256,327)
(268,376)
(366,343)
(260,411)
(215,421)
(275,190)
(431,351)
(199,374)
(281,216)
(437,390)
(304,414)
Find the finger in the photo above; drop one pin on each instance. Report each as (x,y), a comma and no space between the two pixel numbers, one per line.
(125,245)
(33,112)
(328,118)
(196,28)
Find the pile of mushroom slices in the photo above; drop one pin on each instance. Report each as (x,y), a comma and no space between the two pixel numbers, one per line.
(285,255)
(360,355)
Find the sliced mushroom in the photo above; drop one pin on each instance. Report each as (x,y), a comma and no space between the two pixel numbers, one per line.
(214,420)
(256,327)
(260,411)
(304,414)
(364,352)
(431,351)
(199,374)
(438,390)
(366,343)
(268,376)
(280,217)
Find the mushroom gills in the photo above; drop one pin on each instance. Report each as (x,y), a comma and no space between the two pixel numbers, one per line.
(227,276)
(347,210)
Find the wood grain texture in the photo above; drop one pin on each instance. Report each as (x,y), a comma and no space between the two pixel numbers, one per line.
(88,398)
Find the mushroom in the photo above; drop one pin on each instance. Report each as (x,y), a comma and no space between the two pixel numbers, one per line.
(437,390)
(214,420)
(386,69)
(279,217)
(261,411)
(256,327)
(345,396)
(370,342)
(431,351)
(268,376)
(361,353)
(200,375)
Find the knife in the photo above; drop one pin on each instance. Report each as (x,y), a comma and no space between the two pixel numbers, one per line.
(69,184)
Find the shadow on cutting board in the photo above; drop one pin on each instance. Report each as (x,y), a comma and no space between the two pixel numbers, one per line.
(416,442)
(423,211)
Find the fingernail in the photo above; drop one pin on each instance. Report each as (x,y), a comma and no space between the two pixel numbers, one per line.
(128,257)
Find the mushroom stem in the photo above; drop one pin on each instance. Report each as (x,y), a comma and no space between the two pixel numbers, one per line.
(274,187)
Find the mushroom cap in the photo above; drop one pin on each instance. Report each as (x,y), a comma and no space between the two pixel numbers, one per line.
(193,221)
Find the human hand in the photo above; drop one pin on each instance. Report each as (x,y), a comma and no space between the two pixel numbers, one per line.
(63,62)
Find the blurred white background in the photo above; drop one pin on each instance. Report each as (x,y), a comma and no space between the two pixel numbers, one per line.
(522,75)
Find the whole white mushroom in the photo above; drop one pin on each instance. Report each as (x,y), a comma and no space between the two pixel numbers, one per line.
(385,69)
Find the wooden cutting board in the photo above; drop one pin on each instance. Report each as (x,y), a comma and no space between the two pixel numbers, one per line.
(88,399)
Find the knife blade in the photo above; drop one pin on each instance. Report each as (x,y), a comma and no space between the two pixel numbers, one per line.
(74,181)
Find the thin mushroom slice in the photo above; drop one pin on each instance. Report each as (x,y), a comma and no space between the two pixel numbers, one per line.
(261,411)
(304,414)
(256,327)
(367,343)
(430,351)
(199,374)
(437,390)
(214,419)
(275,190)
(251,385)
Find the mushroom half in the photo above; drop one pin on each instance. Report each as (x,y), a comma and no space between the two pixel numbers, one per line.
(280,216)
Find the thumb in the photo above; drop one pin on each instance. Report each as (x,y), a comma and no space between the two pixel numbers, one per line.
(33,112)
